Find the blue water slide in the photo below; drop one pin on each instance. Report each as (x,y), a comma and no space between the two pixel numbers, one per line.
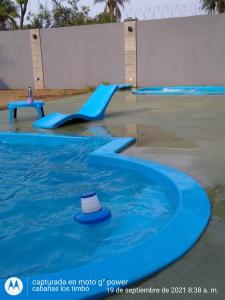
(93,109)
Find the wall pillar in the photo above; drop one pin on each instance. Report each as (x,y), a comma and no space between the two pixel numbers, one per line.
(130,52)
(37,59)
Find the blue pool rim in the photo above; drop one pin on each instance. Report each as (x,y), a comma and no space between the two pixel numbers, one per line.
(181,90)
(153,254)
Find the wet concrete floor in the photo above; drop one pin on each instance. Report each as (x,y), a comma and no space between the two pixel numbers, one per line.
(184,132)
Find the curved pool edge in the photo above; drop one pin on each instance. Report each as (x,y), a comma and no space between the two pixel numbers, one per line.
(149,257)
(190,220)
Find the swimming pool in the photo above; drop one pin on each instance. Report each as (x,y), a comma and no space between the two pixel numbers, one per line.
(153,208)
(181,90)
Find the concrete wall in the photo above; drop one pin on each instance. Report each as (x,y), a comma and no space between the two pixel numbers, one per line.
(181,51)
(83,55)
(15,60)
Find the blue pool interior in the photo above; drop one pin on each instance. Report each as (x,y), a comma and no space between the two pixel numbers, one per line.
(181,90)
(40,194)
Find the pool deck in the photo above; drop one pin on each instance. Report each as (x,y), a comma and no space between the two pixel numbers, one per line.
(187,133)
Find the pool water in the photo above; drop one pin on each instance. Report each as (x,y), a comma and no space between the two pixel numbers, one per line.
(181,90)
(40,194)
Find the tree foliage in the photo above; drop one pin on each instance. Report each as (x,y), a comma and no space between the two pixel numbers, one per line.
(42,19)
(113,7)
(66,15)
(214,6)
(63,13)
(8,14)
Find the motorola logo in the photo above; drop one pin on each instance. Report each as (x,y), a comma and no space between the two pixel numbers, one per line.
(13,286)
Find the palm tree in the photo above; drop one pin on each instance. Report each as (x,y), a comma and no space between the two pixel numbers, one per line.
(8,13)
(23,9)
(214,6)
(113,7)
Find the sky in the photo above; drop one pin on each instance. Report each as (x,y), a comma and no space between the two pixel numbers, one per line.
(142,9)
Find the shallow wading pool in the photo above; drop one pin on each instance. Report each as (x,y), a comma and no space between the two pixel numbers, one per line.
(181,90)
(42,177)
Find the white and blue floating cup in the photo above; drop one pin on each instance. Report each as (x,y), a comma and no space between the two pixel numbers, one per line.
(91,210)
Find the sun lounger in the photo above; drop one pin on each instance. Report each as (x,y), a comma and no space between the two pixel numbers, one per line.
(93,109)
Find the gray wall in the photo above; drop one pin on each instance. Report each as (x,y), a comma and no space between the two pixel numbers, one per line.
(15,60)
(181,51)
(83,55)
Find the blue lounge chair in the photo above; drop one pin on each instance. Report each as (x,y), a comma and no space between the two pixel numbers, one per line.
(93,109)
